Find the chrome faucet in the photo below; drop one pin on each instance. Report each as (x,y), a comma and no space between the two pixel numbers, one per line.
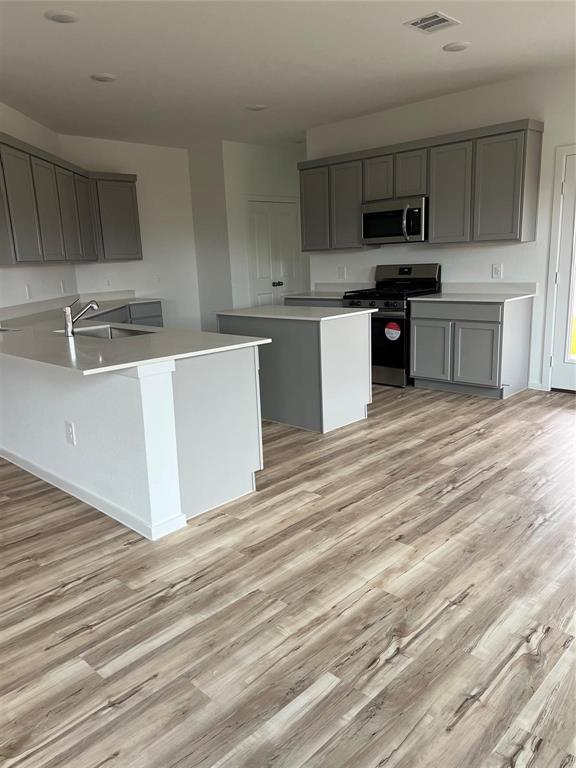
(69,320)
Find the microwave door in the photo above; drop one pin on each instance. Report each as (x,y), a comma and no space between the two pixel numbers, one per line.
(383,226)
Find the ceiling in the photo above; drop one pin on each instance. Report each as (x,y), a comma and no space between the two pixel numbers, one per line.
(189,69)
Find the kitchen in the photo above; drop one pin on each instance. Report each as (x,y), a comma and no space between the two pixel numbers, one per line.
(277,381)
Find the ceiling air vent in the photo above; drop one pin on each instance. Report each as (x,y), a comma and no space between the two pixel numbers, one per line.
(432,22)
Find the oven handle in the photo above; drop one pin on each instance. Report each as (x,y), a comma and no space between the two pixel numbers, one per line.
(384,314)
(405,222)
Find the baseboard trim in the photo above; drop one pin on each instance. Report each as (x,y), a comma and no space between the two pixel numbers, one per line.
(539,386)
(117,513)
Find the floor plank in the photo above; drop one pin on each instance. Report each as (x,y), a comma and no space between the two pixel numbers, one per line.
(399,593)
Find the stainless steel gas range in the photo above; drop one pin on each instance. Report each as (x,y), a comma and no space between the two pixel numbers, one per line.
(391,324)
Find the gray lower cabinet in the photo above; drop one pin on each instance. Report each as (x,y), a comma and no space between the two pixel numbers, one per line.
(498,187)
(477,353)
(315,209)
(48,208)
(118,208)
(472,348)
(450,193)
(379,178)
(69,214)
(345,202)
(411,173)
(431,349)
(86,220)
(21,204)
(7,254)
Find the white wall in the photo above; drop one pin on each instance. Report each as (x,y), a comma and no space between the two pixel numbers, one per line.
(44,282)
(254,171)
(548,96)
(168,269)
(212,251)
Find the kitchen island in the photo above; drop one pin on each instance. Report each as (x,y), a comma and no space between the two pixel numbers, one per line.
(317,373)
(150,426)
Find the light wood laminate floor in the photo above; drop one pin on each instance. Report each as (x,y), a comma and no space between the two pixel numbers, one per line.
(398,594)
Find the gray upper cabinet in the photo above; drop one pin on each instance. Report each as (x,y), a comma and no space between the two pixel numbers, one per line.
(7,254)
(69,213)
(431,349)
(450,193)
(477,353)
(498,187)
(379,178)
(411,177)
(118,208)
(21,204)
(345,203)
(48,210)
(315,209)
(86,218)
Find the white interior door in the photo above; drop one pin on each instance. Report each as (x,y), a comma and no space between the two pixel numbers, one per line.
(564,348)
(278,266)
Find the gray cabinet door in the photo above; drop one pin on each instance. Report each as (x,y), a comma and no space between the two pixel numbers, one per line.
(477,353)
(450,193)
(498,187)
(431,349)
(85,218)
(411,177)
(118,208)
(48,209)
(345,203)
(315,209)
(7,253)
(69,213)
(379,178)
(21,204)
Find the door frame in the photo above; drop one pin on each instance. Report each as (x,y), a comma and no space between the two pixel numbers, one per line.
(251,197)
(562,153)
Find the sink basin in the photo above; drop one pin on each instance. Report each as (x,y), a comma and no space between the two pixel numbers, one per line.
(107,332)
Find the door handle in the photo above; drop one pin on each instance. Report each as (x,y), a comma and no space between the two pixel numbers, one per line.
(277,284)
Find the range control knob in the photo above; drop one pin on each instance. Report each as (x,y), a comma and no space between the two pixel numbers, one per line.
(372,304)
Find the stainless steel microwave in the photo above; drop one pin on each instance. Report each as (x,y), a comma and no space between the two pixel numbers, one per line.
(395,221)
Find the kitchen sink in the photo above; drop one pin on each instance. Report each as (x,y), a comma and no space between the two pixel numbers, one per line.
(107,332)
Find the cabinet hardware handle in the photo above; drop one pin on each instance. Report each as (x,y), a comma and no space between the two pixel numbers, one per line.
(277,284)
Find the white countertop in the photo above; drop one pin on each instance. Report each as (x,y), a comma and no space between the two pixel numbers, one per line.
(337,295)
(473,298)
(281,312)
(90,355)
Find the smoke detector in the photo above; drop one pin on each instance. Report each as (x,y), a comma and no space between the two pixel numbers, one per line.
(432,22)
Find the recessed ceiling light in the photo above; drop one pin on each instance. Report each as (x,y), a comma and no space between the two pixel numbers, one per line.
(61,17)
(104,77)
(456,47)
(256,107)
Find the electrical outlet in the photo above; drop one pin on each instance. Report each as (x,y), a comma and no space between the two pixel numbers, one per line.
(497,271)
(342,272)
(70,432)
(28,291)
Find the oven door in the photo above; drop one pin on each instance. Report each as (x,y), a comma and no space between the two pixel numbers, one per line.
(389,348)
(394,221)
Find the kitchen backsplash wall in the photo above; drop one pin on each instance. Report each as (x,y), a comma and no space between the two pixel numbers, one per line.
(548,96)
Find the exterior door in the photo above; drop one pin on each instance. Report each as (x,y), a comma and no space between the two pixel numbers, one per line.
(564,345)
(278,267)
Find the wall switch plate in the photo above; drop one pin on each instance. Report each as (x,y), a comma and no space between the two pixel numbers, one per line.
(342,272)
(28,291)
(497,271)
(70,432)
